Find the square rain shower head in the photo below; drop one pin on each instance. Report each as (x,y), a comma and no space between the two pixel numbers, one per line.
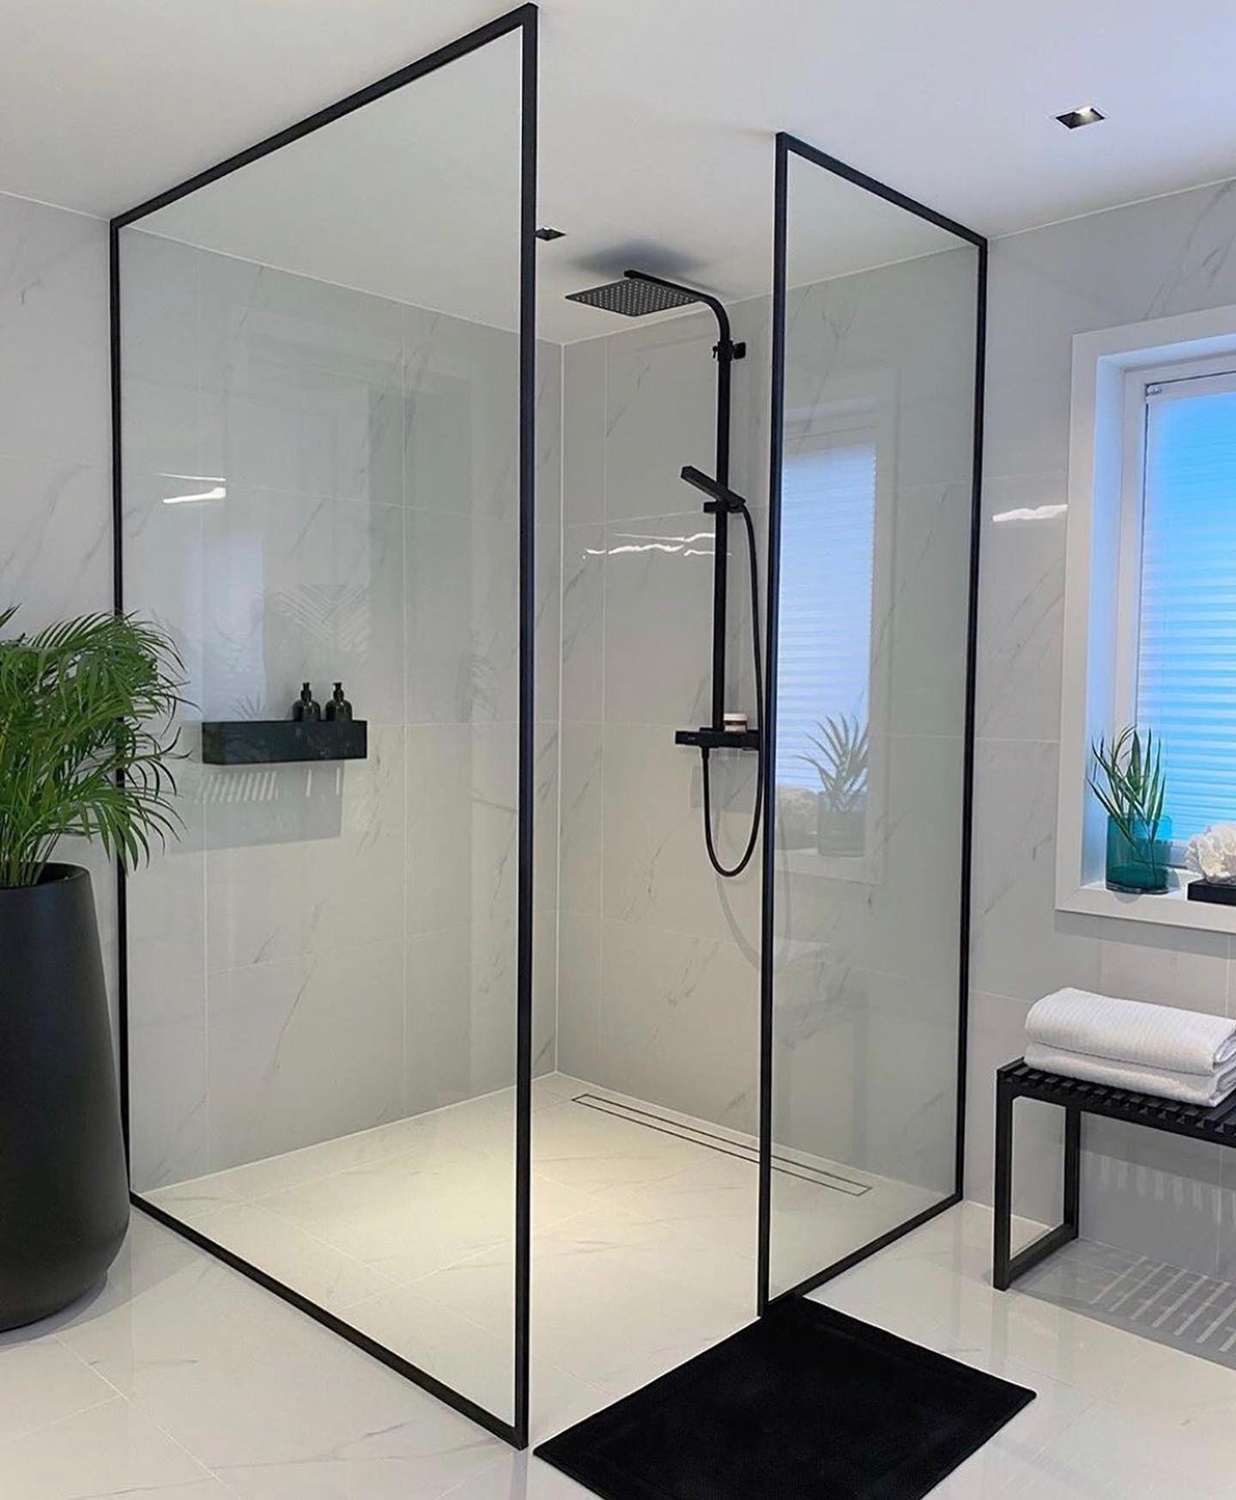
(633,297)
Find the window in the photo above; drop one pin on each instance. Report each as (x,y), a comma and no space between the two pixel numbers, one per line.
(828,505)
(1182,510)
(1150,593)
(832,667)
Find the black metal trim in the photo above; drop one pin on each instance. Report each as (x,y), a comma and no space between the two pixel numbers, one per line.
(122,907)
(330,1320)
(472,41)
(787,145)
(873,1247)
(522,19)
(881,189)
(768,723)
(971,729)
(527,726)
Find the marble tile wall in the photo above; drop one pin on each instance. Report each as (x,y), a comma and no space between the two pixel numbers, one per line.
(55,443)
(1151,1194)
(329,948)
(658,978)
(659,992)
(629,862)
(1169,255)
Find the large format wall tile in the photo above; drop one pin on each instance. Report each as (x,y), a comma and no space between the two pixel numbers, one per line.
(660,415)
(1169,255)
(322,486)
(679,1021)
(583,431)
(54,393)
(303,1049)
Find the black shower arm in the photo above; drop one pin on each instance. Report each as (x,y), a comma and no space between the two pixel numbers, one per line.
(726,345)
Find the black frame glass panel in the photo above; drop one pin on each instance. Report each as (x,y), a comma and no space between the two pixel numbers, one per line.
(523,22)
(789,148)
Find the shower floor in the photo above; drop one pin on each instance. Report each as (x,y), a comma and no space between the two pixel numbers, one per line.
(644,1237)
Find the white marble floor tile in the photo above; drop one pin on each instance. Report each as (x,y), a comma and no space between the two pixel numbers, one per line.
(519,1476)
(180,1380)
(43,1382)
(316,1269)
(108,1450)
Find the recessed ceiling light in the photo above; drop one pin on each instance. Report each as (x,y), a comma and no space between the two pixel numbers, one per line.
(550,234)
(1074,118)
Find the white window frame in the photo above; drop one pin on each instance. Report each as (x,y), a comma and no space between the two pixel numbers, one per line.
(1111,369)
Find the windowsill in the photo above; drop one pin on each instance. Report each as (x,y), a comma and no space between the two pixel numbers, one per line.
(1171,909)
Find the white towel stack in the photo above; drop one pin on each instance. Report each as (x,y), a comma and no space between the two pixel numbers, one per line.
(1153,1049)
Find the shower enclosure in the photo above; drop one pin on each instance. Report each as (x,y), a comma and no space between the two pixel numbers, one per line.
(440,1024)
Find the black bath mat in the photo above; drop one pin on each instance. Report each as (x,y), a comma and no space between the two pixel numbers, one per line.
(806,1404)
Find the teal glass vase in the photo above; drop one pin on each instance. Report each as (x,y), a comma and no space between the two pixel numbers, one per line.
(1139,865)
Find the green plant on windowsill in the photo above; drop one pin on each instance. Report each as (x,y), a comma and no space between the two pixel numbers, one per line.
(842,751)
(1129,782)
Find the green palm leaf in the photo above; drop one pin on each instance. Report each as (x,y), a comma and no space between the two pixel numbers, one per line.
(86,740)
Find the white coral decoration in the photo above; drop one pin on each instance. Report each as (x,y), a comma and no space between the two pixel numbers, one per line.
(1212,854)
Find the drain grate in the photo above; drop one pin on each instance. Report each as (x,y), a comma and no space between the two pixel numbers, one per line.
(789,1166)
(1185,1309)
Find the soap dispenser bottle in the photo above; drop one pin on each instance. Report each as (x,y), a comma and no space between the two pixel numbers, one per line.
(305,710)
(339,710)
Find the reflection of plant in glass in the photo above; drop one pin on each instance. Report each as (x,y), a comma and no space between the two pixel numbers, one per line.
(1129,782)
(840,762)
(78,753)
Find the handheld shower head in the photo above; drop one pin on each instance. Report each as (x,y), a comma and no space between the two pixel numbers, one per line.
(718,493)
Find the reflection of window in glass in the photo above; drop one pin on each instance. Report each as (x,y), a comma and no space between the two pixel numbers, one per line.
(828,500)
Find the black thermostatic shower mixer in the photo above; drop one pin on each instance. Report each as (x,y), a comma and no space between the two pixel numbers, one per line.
(717,735)
(636,296)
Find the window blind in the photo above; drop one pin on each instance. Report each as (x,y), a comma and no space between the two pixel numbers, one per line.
(828,492)
(1186,658)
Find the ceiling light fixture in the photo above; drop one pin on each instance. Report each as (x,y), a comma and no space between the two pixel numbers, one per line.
(1073,119)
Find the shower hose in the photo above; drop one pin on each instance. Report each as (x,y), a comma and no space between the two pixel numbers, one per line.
(731,871)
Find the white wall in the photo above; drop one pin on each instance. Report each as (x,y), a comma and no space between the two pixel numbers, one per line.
(328,948)
(1149,1192)
(55,440)
(658,978)
(295,902)
(1169,255)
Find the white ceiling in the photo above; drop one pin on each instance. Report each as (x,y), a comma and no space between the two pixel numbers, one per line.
(657,115)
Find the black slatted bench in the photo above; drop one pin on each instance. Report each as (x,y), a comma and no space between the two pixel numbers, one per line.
(1016,1080)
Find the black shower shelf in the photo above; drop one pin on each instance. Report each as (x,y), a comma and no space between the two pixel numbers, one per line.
(718,739)
(259,742)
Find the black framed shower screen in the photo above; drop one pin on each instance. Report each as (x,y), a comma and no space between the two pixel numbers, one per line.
(790,149)
(520,23)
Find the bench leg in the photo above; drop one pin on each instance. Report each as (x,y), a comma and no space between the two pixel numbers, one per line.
(1006,1267)
(1002,1194)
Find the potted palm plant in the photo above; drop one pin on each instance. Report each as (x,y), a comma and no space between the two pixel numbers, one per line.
(1128,780)
(840,762)
(85,741)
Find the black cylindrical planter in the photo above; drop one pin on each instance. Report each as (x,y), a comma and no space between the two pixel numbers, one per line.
(64,1198)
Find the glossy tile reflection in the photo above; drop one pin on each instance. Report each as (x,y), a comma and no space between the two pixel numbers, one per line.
(405,1230)
(181,1380)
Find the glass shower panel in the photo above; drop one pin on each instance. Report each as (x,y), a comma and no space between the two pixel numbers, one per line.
(321,439)
(871,671)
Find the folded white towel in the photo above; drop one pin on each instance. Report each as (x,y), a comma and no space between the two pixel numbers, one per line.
(1127,1031)
(1191,1088)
